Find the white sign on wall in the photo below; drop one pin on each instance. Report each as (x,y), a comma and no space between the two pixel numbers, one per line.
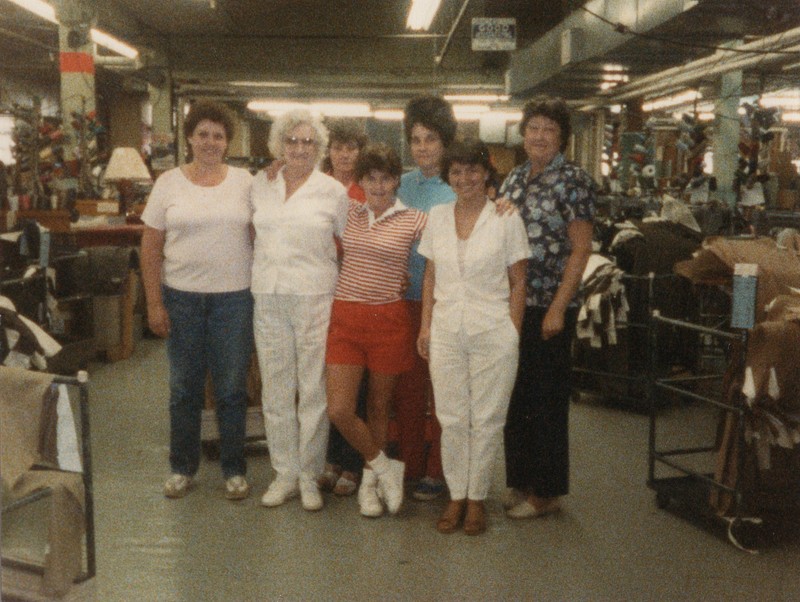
(494,34)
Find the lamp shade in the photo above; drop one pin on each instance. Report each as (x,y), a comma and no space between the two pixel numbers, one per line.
(126,164)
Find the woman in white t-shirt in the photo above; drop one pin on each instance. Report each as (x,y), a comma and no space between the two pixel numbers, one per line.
(296,216)
(473,298)
(196,258)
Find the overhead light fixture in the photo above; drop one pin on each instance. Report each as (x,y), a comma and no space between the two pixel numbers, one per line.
(329,109)
(791,117)
(256,84)
(46,11)
(389,115)
(273,107)
(613,68)
(106,40)
(469,112)
(785,99)
(477,97)
(342,109)
(421,13)
(681,98)
(39,8)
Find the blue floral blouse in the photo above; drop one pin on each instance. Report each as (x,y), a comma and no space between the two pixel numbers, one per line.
(547,203)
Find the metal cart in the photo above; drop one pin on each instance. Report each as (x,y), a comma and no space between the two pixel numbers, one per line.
(680,474)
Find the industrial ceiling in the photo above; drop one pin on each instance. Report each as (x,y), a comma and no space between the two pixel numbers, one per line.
(238,49)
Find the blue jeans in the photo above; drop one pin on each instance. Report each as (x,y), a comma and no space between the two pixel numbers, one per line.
(209,332)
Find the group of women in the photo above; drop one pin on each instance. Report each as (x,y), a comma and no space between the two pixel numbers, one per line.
(314,268)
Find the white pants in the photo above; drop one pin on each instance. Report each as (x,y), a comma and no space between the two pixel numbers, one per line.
(291,333)
(473,377)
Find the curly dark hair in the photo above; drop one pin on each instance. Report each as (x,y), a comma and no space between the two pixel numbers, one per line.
(433,112)
(471,152)
(212,111)
(553,108)
(380,157)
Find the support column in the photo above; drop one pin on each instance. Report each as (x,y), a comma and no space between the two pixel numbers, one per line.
(163,150)
(726,135)
(77,69)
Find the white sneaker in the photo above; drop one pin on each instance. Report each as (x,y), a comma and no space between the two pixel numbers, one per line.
(310,496)
(237,488)
(177,485)
(368,501)
(390,485)
(279,492)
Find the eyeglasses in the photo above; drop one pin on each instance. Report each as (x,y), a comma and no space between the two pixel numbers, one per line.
(294,141)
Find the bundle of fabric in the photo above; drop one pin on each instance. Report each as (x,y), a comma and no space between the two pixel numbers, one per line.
(778,267)
(771,385)
(23,343)
(605,305)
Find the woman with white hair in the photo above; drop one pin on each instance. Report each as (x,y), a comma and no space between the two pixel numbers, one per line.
(295,218)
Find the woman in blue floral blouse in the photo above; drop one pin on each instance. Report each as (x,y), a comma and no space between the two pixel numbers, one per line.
(556,201)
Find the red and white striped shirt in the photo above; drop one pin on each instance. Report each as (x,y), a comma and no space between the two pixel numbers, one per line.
(375,263)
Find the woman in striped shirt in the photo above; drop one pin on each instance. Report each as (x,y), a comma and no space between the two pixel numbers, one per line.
(370,327)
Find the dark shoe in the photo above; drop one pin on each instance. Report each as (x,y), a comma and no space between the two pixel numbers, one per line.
(475,519)
(452,517)
(428,489)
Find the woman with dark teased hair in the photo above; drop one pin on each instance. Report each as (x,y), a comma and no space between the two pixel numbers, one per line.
(556,201)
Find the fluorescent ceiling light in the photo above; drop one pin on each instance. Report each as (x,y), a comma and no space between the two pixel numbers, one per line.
(507,115)
(785,99)
(273,107)
(342,109)
(477,97)
(46,11)
(265,84)
(389,115)
(329,109)
(38,7)
(791,117)
(421,13)
(684,97)
(101,38)
(613,68)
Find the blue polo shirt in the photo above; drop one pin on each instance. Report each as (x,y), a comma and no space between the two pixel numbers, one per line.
(421,193)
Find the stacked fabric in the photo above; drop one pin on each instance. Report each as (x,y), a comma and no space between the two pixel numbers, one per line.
(23,343)
(605,307)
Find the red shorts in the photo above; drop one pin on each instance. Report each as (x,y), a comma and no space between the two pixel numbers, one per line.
(376,336)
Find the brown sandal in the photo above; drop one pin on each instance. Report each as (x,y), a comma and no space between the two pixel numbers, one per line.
(452,517)
(475,520)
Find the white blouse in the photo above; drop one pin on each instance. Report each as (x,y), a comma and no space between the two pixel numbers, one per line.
(295,252)
(476,300)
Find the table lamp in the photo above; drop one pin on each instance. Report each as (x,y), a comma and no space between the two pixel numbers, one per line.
(124,168)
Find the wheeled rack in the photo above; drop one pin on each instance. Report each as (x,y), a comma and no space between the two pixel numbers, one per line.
(689,481)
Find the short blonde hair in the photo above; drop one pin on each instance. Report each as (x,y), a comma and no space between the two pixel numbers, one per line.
(287,122)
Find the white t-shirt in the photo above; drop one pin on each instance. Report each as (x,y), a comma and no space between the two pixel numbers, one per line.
(477,299)
(207,246)
(295,253)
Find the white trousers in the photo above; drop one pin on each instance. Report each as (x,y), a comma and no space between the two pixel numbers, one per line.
(473,377)
(291,333)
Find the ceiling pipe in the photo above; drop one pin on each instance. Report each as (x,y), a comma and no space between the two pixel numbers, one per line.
(720,62)
(440,57)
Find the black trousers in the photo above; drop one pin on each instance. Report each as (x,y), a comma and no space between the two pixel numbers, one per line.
(536,431)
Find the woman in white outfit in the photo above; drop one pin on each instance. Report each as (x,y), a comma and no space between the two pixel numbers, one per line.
(472,304)
(295,217)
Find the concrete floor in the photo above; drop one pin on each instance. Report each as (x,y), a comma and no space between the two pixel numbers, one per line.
(610,543)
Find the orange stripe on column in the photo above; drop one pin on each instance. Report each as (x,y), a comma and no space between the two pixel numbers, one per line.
(76,62)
